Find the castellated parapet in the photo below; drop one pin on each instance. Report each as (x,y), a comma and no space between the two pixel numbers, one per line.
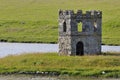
(84,42)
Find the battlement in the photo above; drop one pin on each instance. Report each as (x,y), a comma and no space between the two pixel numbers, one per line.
(80,14)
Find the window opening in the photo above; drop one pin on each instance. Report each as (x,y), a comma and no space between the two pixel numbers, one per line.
(64,27)
(95,26)
(79,27)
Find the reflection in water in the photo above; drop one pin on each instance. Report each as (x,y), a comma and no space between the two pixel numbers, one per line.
(18,48)
(34,77)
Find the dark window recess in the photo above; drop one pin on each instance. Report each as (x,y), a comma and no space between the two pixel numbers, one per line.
(64,27)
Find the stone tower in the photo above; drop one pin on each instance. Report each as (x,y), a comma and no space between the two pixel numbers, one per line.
(84,42)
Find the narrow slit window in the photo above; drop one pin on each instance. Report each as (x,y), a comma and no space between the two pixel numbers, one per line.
(95,26)
(64,27)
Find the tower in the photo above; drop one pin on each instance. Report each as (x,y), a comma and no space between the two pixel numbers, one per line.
(74,42)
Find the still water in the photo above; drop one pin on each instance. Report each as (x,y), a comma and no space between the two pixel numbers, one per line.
(33,77)
(19,48)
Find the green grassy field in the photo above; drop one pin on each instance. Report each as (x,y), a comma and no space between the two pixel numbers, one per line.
(37,20)
(84,66)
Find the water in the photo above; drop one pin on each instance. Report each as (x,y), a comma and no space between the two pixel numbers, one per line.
(33,77)
(107,48)
(19,48)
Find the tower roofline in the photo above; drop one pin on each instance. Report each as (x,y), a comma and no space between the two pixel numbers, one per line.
(89,14)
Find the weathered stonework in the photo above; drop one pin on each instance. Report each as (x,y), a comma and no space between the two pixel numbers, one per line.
(86,42)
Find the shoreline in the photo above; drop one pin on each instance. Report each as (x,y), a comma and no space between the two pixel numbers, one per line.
(40,77)
(55,74)
(2,41)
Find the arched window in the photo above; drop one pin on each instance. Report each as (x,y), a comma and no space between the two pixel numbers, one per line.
(80,27)
(64,27)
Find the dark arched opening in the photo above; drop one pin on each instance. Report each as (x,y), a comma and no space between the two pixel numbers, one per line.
(64,27)
(80,48)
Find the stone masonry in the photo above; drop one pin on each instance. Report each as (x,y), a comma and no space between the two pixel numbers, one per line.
(86,42)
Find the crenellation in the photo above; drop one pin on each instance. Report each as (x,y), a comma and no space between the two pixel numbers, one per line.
(88,14)
(79,11)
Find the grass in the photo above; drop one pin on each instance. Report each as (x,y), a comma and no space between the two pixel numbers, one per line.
(37,20)
(84,66)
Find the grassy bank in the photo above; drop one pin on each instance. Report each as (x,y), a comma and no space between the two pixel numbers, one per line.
(84,66)
(37,20)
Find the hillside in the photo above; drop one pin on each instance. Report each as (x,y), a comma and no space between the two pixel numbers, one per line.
(37,20)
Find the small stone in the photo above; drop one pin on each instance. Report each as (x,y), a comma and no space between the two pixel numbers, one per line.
(103,72)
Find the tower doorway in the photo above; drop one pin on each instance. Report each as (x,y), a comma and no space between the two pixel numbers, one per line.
(80,48)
